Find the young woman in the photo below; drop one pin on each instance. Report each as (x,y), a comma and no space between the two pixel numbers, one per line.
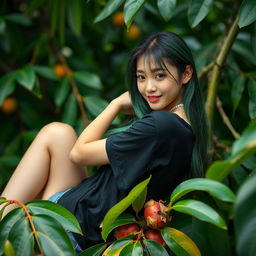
(168,141)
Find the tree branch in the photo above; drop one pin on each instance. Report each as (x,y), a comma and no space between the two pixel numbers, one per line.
(221,58)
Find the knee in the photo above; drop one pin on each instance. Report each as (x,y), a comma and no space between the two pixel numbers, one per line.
(57,131)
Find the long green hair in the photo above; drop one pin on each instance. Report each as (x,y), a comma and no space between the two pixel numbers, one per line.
(170,47)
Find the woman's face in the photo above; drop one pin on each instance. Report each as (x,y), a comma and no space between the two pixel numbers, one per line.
(161,88)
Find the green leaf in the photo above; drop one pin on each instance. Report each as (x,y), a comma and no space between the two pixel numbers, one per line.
(8,249)
(119,221)
(6,224)
(138,204)
(70,110)
(237,91)
(200,211)
(19,19)
(62,92)
(7,85)
(154,248)
(117,209)
(166,8)
(245,218)
(56,211)
(2,200)
(95,104)
(74,9)
(33,5)
(214,188)
(2,25)
(95,250)
(109,8)
(252,101)
(115,248)
(52,236)
(179,242)
(26,77)
(247,13)
(134,249)
(131,8)
(198,10)
(45,72)
(21,237)
(88,79)
(247,138)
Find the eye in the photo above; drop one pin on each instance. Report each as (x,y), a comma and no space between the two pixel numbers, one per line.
(160,76)
(140,77)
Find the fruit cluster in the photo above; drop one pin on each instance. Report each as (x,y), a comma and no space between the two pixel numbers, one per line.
(156,216)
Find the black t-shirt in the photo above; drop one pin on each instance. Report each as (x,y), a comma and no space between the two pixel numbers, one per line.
(160,144)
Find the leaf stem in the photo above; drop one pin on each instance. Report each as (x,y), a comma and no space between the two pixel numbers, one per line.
(29,217)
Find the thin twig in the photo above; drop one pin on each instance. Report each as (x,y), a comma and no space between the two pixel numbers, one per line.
(205,70)
(226,119)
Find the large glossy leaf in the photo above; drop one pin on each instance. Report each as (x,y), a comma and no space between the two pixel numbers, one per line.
(110,7)
(134,249)
(248,138)
(7,85)
(53,238)
(56,211)
(120,220)
(21,237)
(237,91)
(138,204)
(154,248)
(95,104)
(115,248)
(252,95)
(245,218)
(166,8)
(120,207)
(75,8)
(179,242)
(88,79)
(247,13)
(26,77)
(131,8)
(200,211)
(95,250)
(214,188)
(198,10)
(244,147)
(219,170)
(62,92)
(45,72)
(19,19)
(6,224)
(70,110)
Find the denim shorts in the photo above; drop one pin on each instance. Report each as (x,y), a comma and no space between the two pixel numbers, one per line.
(55,198)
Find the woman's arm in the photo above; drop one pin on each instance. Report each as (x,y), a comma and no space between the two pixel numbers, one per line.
(89,148)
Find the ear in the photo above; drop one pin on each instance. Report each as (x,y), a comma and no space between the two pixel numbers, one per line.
(186,76)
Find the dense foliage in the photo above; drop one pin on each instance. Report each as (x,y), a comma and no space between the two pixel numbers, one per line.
(65,60)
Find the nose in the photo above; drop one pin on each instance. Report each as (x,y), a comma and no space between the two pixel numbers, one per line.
(150,86)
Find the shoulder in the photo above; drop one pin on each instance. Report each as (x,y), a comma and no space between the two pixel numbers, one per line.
(168,122)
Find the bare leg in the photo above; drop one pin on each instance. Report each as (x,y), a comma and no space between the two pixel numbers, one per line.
(45,169)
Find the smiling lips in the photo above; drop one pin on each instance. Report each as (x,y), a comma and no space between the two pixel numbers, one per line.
(153,99)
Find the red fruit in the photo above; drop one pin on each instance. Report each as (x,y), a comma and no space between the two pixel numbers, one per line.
(126,230)
(153,234)
(155,214)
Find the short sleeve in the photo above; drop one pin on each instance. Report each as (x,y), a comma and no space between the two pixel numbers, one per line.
(131,152)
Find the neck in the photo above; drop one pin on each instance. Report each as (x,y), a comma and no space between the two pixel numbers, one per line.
(177,106)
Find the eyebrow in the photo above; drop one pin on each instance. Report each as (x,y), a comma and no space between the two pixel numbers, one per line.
(152,70)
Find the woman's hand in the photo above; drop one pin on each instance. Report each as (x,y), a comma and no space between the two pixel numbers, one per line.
(124,103)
